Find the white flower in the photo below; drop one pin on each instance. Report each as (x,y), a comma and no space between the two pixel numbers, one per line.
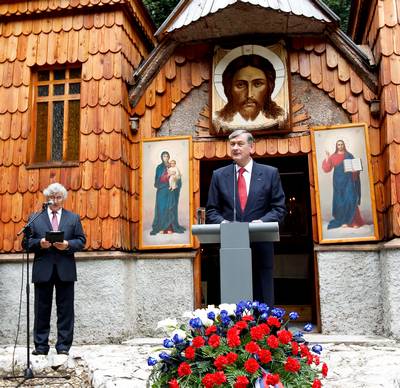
(167,325)
(229,307)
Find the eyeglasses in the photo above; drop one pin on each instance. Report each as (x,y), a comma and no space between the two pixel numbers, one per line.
(56,197)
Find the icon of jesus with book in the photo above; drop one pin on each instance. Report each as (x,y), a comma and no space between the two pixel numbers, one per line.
(346,187)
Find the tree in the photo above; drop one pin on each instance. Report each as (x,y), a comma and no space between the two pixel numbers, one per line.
(342,9)
(160,9)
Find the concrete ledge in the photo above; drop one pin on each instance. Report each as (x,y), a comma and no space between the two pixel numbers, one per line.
(349,339)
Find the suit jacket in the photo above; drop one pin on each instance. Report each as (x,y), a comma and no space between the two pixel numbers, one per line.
(265,200)
(46,259)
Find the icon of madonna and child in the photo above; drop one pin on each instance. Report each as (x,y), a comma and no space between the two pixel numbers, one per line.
(168,183)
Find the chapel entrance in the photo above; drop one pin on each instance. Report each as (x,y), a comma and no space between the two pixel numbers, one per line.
(294,272)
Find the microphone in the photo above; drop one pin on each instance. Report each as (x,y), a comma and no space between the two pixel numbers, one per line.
(48,203)
(234,191)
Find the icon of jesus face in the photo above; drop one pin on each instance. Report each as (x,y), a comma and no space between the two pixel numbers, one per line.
(249,89)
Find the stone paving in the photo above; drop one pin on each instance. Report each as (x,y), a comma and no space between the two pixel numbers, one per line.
(354,362)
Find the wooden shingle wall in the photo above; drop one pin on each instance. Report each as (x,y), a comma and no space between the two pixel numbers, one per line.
(101,188)
(323,65)
(382,34)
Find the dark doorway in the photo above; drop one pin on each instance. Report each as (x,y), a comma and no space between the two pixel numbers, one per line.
(294,278)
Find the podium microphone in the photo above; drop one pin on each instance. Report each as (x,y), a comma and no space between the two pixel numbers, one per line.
(48,203)
(234,191)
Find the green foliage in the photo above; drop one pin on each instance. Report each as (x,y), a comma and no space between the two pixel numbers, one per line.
(160,9)
(342,9)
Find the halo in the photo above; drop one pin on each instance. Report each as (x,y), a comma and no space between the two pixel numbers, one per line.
(249,50)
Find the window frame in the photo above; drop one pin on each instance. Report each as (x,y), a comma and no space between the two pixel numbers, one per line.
(50,99)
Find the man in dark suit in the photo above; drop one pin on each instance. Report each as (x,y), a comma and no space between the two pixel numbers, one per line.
(259,198)
(54,267)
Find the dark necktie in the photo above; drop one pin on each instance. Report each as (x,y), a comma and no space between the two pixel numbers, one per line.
(54,221)
(242,188)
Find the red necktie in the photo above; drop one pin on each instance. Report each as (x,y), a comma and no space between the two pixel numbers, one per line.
(54,221)
(242,188)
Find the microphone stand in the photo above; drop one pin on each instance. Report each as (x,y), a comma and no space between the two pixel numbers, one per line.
(27,231)
(234,191)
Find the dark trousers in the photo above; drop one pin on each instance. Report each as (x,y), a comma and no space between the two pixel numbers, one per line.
(65,313)
(263,273)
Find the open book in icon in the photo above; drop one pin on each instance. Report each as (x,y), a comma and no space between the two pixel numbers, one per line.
(352,165)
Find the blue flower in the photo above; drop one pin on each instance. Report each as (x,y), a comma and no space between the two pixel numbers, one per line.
(225,320)
(211,315)
(298,337)
(168,343)
(278,312)
(308,327)
(255,304)
(151,361)
(317,349)
(196,323)
(223,313)
(263,308)
(176,339)
(264,316)
(294,315)
(164,356)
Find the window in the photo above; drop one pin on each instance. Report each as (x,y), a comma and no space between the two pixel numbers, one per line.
(56,117)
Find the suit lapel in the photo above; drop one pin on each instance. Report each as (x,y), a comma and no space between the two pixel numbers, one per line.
(255,181)
(64,216)
(231,180)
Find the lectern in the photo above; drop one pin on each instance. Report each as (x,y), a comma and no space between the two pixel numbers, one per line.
(235,253)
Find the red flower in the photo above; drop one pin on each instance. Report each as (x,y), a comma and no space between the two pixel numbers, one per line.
(292,365)
(241,325)
(251,365)
(265,356)
(304,350)
(265,328)
(316,360)
(219,378)
(231,357)
(211,329)
(284,336)
(232,337)
(257,333)
(208,380)
(309,359)
(248,318)
(241,382)
(190,352)
(316,384)
(214,341)
(173,383)
(295,348)
(184,369)
(198,342)
(252,347)
(220,362)
(324,370)
(274,321)
(272,342)
(272,379)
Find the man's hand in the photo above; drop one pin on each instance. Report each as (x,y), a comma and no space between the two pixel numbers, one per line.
(256,221)
(62,246)
(44,244)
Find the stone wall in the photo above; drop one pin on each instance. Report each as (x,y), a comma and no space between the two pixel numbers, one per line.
(116,298)
(350,283)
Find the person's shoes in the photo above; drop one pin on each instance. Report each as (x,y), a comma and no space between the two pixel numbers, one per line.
(65,352)
(37,352)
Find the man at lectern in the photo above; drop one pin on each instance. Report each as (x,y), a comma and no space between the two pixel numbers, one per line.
(253,194)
